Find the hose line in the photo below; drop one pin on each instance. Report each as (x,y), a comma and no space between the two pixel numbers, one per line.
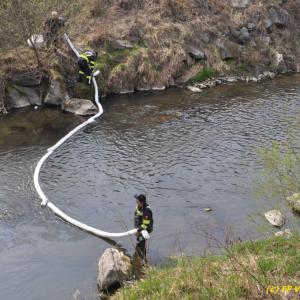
(45,200)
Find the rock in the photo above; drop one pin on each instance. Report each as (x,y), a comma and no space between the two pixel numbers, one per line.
(206,37)
(290,62)
(158,88)
(294,201)
(268,25)
(286,233)
(194,89)
(251,26)
(244,35)
(120,44)
(282,68)
(228,79)
(76,295)
(80,107)
(229,50)
(195,52)
(268,74)
(56,94)
(239,3)
(275,218)
(27,79)
(114,268)
(207,209)
(253,79)
(36,40)
(279,16)
(20,96)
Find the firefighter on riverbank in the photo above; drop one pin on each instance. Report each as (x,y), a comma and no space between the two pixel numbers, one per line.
(86,63)
(143,221)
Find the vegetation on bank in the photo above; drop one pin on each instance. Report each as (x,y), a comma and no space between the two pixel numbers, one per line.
(248,270)
(204,74)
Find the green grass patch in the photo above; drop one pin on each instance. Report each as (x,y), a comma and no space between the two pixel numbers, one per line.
(204,74)
(235,274)
(110,58)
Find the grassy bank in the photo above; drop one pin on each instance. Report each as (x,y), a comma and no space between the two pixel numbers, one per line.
(249,270)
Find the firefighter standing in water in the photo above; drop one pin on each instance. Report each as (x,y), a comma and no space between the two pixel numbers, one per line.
(86,63)
(143,220)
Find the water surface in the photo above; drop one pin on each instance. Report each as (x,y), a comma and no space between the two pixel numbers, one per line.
(185,151)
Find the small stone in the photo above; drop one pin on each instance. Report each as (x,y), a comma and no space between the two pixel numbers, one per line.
(36,107)
(194,89)
(286,233)
(275,218)
(207,209)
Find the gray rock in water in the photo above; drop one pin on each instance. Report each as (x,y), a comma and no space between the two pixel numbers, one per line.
(20,96)
(275,218)
(114,269)
(80,107)
(57,94)
(279,16)
(239,3)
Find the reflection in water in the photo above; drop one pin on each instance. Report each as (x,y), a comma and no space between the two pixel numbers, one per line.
(184,151)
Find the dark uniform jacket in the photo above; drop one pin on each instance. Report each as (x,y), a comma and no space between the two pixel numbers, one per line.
(86,63)
(143,219)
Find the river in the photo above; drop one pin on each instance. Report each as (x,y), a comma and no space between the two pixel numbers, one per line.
(185,151)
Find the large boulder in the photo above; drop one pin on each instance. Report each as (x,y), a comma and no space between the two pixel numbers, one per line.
(279,16)
(275,218)
(114,268)
(228,50)
(57,94)
(20,96)
(80,107)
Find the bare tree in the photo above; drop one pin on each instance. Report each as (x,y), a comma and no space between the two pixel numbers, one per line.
(21,19)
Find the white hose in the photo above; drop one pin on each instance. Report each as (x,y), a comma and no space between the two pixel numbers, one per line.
(45,201)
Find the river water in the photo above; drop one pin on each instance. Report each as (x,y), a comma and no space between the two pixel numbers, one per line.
(185,151)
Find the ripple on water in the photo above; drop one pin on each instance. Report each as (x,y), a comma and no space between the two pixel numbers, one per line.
(185,151)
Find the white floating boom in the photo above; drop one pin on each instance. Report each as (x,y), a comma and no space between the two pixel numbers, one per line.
(45,200)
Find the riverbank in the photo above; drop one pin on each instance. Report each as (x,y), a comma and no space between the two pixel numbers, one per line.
(248,270)
(152,45)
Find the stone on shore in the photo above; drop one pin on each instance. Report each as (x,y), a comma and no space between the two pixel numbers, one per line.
(21,96)
(114,269)
(275,218)
(57,94)
(285,233)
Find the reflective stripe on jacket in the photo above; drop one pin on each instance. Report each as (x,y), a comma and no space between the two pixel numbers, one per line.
(143,219)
